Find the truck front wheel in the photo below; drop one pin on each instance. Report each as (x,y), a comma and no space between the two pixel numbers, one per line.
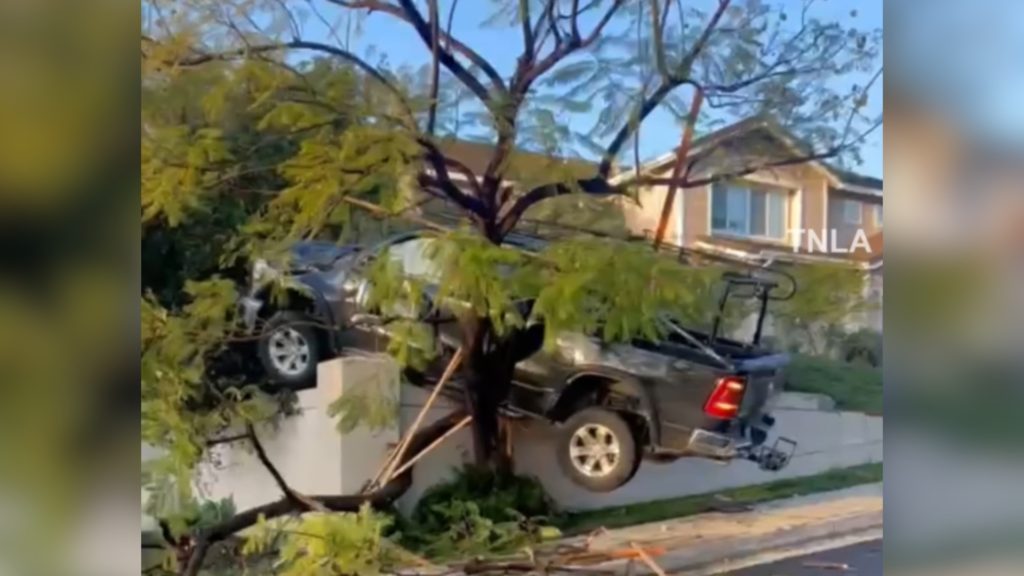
(597,449)
(290,350)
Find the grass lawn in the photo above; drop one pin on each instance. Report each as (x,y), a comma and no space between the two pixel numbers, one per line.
(628,515)
(855,387)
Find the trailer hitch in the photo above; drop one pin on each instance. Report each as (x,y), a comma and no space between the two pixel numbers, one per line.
(773,458)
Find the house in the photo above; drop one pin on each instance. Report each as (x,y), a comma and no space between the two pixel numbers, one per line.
(806,212)
(803,212)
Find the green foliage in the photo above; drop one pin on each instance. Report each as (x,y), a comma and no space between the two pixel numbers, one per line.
(853,386)
(478,512)
(328,544)
(372,402)
(618,290)
(828,295)
(467,533)
(179,166)
(244,156)
(576,215)
(864,345)
(489,280)
(498,497)
(360,162)
(176,347)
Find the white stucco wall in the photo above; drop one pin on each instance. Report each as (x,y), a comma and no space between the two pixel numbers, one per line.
(311,454)
(316,459)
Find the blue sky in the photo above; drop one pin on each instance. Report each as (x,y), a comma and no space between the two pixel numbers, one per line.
(502,46)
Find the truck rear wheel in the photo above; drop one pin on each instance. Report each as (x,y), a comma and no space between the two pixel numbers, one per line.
(597,450)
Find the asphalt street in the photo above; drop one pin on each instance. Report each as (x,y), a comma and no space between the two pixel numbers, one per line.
(863,559)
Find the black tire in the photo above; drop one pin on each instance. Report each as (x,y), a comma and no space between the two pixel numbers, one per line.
(610,473)
(298,328)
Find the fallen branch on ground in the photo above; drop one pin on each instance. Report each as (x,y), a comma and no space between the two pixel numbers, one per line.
(288,504)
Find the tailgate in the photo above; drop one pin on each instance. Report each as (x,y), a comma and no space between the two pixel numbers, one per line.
(763,376)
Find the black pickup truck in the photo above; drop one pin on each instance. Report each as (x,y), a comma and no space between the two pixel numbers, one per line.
(692,395)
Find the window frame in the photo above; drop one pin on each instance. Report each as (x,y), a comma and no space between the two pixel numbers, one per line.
(748,190)
(845,212)
(876,215)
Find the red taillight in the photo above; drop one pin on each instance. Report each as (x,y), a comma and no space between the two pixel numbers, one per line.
(724,402)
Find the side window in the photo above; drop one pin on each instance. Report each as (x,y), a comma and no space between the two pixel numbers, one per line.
(414,259)
(851,211)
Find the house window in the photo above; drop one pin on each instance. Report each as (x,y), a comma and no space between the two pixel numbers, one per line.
(878,215)
(748,212)
(851,212)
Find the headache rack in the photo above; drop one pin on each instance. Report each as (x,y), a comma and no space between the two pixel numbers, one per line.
(760,285)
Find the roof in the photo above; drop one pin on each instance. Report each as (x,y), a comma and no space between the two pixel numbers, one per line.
(476,156)
(854,179)
(753,248)
(841,178)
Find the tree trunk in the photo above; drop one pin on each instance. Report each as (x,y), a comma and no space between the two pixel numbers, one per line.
(487,373)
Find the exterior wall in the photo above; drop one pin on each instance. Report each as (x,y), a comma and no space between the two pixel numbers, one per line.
(643,219)
(808,200)
(815,209)
(807,204)
(316,459)
(696,213)
(308,449)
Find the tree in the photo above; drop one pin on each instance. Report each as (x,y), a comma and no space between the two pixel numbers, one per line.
(829,295)
(634,56)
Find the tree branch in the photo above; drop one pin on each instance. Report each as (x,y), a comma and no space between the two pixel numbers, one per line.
(596,186)
(552,25)
(442,179)
(226,440)
(435,66)
(339,503)
(677,78)
(413,16)
(261,454)
(685,182)
(455,45)
(304,45)
(687,62)
(658,36)
(648,105)
(574,21)
(526,23)
(564,49)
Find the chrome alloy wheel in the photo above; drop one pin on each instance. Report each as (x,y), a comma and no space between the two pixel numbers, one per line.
(289,351)
(594,450)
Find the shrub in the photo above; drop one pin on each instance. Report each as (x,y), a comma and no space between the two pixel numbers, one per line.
(864,346)
(500,498)
(855,387)
(478,512)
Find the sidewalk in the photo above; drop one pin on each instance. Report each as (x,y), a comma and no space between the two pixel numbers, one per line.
(714,542)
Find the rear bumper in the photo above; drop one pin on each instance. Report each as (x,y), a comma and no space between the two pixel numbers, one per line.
(718,446)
